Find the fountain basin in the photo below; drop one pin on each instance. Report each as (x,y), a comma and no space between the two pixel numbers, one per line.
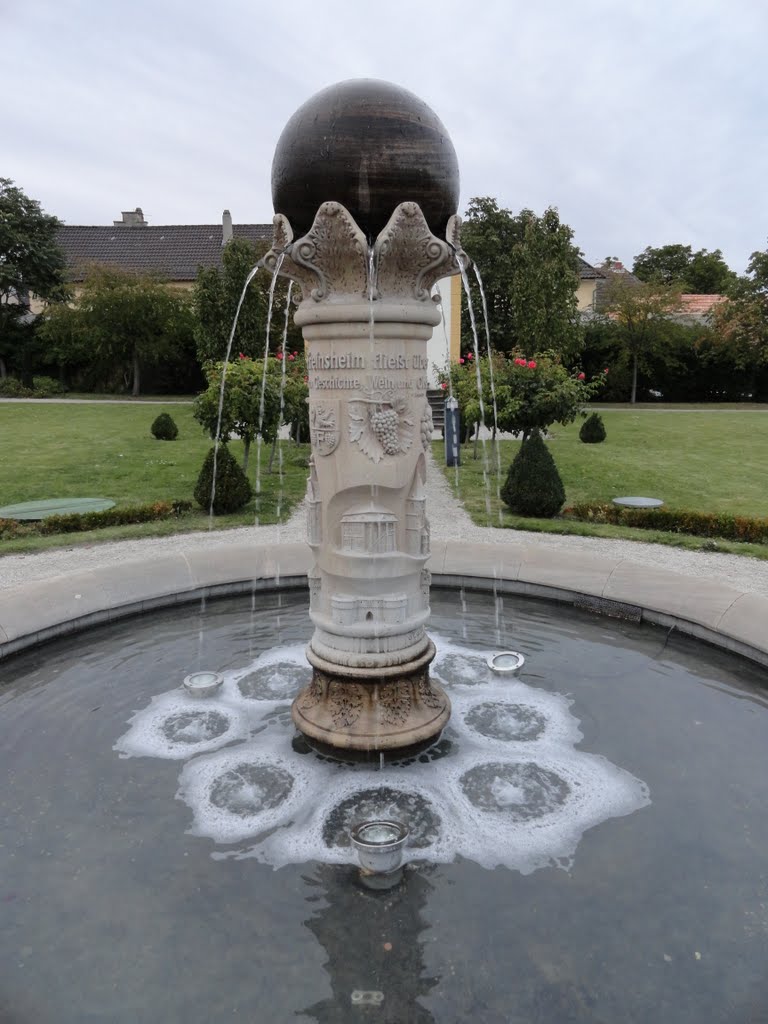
(101,859)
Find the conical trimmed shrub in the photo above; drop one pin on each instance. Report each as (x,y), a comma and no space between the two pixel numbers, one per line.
(533,486)
(232,487)
(164,429)
(592,429)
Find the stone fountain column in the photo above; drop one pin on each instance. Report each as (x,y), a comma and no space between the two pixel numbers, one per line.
(366,263)
(366,315)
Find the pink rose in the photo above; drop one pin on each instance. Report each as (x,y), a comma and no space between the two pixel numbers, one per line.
(461,360)
(443,386)
(532,364)
(582,376)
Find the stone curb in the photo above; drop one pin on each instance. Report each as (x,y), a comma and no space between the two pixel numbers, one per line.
(38,611)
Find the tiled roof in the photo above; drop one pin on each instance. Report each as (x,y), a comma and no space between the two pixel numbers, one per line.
(173,251)
(699,305)
(588,272)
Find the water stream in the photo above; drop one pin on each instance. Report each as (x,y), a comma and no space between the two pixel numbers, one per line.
(251,274)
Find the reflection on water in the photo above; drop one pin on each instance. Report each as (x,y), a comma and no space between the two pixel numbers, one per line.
(383,971)
(113,911)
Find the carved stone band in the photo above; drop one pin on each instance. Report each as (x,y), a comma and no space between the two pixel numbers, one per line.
(402,712)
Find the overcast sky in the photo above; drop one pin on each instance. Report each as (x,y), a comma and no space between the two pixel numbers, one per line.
(643,121)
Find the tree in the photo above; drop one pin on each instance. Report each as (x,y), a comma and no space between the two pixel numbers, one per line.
(250,406)
(741,323)
(700,273)
(31,263)
(216,296)
(530,394)
(533,486)
(232,488)
(129,322)
(529,267)
(640,313)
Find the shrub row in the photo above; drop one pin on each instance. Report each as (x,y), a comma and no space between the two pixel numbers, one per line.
(79,523)
(42,387)
(698,524)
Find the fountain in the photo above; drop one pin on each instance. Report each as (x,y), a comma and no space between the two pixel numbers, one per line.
(364,180)
(527,888)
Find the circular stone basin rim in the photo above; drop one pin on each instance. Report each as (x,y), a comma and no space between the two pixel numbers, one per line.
(506,661)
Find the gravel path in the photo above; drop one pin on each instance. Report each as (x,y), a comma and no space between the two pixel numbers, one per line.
(448,521)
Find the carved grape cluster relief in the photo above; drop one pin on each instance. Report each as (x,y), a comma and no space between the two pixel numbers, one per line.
(381,425)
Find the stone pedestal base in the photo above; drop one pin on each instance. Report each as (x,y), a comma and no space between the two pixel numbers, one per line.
(394,709)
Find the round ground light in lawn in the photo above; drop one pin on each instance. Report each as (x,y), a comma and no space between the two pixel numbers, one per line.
(55,507)
(638,502)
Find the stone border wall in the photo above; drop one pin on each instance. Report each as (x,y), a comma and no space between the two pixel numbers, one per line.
(721,615)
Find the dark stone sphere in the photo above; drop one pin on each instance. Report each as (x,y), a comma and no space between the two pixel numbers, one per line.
(369,145)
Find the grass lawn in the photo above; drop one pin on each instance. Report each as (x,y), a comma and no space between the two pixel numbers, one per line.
(707,461)
(107,451)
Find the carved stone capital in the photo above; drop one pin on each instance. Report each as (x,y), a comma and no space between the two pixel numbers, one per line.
(330,263)
(340,276)
(408,258)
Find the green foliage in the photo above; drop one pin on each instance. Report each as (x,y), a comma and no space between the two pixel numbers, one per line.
(699,524)
(47,387)
(640,314)
(216,295)
(120,324)
(592,429)
(533,486)
(529,267)
(12,387)
(42,387)
(232,489)
(741,323)
(31,263)
(701,273)
(164,429)
(531,393)
(251,404)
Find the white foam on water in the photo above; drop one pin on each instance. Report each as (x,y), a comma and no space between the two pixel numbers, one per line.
(506,793)
(177,725)
(522,803)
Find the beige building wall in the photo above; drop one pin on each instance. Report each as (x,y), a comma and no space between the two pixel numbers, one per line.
(445,343)
(585,293)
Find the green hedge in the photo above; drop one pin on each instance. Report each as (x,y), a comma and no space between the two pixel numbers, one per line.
(698,524)
(42,387)
(10,528)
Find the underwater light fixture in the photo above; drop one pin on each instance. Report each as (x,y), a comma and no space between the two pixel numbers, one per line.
(202,684)
(506,661)
(379,846)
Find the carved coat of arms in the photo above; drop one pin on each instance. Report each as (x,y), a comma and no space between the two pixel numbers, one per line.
(324,427)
